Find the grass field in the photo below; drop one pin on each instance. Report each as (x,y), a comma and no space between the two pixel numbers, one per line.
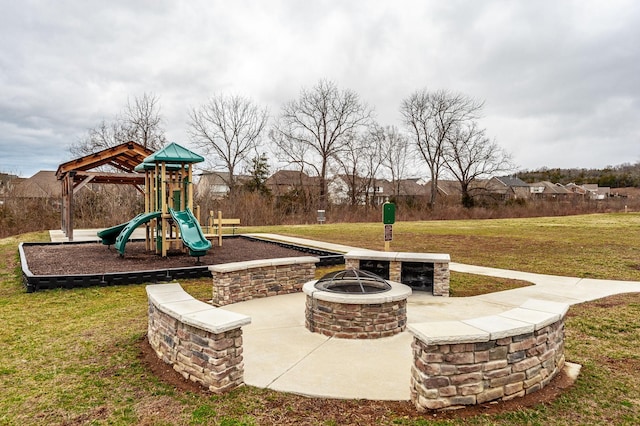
(73,356)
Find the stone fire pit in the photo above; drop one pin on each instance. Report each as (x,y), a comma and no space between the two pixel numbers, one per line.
(355,304)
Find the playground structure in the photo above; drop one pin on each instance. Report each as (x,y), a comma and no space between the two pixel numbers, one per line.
(168,206)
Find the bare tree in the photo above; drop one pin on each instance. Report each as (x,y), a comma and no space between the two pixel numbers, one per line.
(432,117)
(394,154)
(140,122)
(229,128)
(469,154)
(103,136)
(359,163)
(319,123)
(143,122)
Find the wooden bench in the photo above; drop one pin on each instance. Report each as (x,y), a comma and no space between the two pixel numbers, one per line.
(214,226)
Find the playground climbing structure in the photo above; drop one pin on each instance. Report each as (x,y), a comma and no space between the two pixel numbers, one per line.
(168,205)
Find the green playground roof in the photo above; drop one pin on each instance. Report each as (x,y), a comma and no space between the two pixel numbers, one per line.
(150,166)
(174,153)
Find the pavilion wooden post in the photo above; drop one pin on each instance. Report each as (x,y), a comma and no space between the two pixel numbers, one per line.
(68,205)
(63,207)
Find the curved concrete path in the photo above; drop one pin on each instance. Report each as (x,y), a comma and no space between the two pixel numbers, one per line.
(281,354)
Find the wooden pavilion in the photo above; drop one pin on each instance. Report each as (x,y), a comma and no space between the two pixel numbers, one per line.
(77,173)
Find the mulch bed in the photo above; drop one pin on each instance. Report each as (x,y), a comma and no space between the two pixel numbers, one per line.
(92,258)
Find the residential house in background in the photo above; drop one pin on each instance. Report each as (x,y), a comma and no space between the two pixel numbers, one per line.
(284,182)
(590,190)
(365,191)
(549,190)
(508,187)
(294,183)
(42,185)
(216,184)
(412,190)
(376,192)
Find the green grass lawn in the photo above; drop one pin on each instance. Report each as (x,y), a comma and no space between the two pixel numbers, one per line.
(73,356)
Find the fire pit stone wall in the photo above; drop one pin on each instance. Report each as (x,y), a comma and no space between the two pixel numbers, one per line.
(356,316)
(440,262)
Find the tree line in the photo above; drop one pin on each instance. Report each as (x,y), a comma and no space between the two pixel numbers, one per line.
(620,176)
(325,131)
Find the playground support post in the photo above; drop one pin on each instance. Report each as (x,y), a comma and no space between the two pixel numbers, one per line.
(164,210)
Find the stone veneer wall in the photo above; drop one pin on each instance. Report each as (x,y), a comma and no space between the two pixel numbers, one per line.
(241,281)
(499,357)
(201,342)
(356,321)
(441,274)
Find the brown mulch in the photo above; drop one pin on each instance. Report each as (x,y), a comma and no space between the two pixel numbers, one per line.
(92,258)
(335,408)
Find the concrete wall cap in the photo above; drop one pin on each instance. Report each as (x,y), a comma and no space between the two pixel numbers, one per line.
(397,256)
(546,306)
(181,308)
(500,327)
(539,319)
(300,260)
(177,303)
(216,320)
(423,257)
(262,263)
(166,293)
(448,332)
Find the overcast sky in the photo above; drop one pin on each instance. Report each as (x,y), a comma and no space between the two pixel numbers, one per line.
(560,79)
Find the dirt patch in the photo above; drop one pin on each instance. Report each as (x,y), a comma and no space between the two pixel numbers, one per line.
(92,258)
(347,410)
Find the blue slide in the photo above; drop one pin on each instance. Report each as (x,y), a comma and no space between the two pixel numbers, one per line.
(125,233)
(191,233)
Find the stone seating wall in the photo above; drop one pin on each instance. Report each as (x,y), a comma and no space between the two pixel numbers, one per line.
(241,281)
(498,357)
(201,342)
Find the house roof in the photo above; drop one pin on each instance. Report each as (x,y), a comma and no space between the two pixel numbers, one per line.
(551,188)
(211,178)
(290,178)
(283,181)
(406,187)
(511,181)
(41,185)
